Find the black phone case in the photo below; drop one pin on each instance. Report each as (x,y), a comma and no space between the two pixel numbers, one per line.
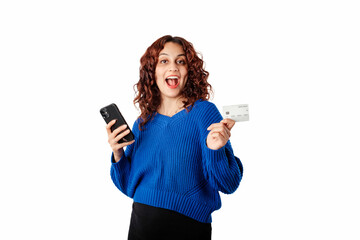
(112,112)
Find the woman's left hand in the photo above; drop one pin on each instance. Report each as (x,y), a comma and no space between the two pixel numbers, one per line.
(219,133)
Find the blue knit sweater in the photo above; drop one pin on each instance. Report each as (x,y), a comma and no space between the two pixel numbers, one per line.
(170,166)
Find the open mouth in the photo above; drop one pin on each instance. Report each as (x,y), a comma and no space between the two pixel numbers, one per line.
(172,81)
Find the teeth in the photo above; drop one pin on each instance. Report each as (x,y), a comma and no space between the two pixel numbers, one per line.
(172,77)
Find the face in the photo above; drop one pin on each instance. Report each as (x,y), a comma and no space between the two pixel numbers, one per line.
(171,71)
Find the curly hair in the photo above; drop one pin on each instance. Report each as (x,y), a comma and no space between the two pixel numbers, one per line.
(147,94)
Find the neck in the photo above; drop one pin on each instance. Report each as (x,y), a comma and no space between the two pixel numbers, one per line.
(169,107)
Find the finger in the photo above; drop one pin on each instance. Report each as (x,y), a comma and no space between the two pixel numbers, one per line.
(229,123)
(114,134)
(122,135)
(222,129)
(124,144)
(118,130)
(214,125)
(109,125)
(118,146)
(128,143)
(217,135)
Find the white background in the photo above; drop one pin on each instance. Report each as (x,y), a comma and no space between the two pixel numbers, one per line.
(296,63)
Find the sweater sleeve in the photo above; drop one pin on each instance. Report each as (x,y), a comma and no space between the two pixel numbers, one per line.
(221,167)
(120,171)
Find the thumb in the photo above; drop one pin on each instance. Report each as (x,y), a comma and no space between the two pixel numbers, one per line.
(228,122)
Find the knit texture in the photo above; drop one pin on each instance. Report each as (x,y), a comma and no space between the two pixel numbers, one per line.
(170,166)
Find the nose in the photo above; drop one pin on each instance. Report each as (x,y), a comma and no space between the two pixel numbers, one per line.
(173,67)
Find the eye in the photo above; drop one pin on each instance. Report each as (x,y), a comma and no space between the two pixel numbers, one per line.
(163,61)
(182,62)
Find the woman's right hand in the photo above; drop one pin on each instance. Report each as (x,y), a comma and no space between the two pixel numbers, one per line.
(115,136)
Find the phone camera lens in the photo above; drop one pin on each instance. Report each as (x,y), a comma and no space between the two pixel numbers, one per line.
(104,113)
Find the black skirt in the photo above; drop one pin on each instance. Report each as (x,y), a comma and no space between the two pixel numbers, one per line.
(149,222)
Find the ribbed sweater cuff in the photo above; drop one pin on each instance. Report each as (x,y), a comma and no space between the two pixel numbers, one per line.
(215,154)
(223,170)
(120,172)
(112,159)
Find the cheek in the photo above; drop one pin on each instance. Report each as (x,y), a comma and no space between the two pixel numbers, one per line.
(158,84)
(185,74)
(185,81)
(158,73)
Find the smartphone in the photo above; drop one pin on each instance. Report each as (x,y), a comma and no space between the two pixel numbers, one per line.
(112,112)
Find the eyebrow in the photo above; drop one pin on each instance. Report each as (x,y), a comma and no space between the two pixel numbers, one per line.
(168,54)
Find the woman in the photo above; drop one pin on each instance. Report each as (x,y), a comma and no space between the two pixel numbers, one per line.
(181,156)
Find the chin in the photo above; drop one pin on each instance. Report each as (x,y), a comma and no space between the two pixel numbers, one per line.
(173,94)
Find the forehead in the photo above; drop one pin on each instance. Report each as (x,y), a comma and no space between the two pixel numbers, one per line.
(172,49)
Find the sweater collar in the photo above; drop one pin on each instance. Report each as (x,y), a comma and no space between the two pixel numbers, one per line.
(177,115)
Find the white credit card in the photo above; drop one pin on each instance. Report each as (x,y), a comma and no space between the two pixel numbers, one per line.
(238,113)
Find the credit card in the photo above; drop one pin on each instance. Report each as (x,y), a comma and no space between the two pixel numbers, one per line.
(238,113)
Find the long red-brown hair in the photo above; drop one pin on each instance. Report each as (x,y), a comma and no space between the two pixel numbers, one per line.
(147,91)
